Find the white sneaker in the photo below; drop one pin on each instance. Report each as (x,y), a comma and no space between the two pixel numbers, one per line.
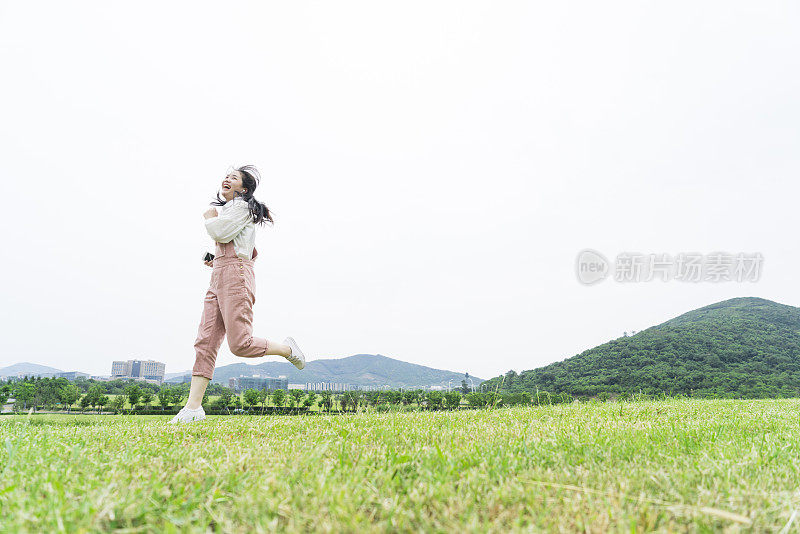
(187,416)
(297,358)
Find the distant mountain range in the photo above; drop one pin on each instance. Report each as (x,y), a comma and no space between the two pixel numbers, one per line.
(167,376)
(25,367)
(742,347)
(361,370)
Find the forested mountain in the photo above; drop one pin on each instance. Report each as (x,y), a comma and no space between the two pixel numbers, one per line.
(742,347)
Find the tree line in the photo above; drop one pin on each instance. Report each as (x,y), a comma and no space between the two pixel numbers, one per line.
(60,394)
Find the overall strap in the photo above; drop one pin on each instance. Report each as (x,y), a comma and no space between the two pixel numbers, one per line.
(223,250)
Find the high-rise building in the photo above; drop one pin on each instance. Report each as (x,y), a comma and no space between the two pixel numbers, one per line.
(139,369)
(119,368)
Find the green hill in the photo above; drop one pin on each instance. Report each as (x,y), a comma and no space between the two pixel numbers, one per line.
(742,347)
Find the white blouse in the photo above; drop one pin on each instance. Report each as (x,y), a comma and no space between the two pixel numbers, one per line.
(234,222)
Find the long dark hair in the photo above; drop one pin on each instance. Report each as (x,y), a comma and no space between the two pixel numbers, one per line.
(250,179)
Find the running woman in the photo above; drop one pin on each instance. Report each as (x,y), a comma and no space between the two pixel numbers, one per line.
(228,306)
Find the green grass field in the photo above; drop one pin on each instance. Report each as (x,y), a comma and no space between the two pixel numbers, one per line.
(675,465)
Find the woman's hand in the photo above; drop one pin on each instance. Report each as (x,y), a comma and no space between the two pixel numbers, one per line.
(212,212)
(209,263)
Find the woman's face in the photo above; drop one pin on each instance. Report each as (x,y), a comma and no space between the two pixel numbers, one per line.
(231,183)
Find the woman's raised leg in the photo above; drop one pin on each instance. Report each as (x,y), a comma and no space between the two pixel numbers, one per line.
(236,301)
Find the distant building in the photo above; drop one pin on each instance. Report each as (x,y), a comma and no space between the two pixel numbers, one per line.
(242,383)
(331,386)
(120,368)
(136,379)
(147,370)
(72,375)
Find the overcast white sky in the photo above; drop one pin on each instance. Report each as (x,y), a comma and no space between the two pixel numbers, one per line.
(434,169)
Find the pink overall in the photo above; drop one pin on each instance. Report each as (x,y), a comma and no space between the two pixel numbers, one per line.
(228,308)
